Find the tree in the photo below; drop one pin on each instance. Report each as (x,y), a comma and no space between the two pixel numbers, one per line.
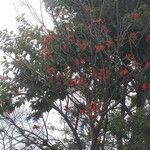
(93,69)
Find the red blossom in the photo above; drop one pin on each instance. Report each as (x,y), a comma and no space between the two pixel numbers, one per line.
(59,75)
(104,29)
(36,127)
(98,21)
(50,70)
(48,39)
(135,65)
(146,86)
(133,36)
(79,60)
(123,72)
(128,56)
(93,106)
(135,15)
(46,53)
(109,44)
(100,47)
(82,111)
(92,117)
(147,39)
(70,36)
(64,47)
(77,82)
(101,74)
(147,65)
(118,38)
(81,44)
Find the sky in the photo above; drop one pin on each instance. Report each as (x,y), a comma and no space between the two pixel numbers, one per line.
(9,9)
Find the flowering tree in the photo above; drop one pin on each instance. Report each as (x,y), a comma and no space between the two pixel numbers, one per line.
(93,69)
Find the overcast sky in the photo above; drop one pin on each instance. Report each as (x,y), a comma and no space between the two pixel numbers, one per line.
(9,9)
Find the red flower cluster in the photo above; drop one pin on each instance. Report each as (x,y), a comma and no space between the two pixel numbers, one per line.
(91,110)
(128,56)
(147,39)
(48,39)
(50,70)
(82,111)
(147,65)
(70,37)
(104,29)
(135,15)
(135,64)
(81,44)
(46,53)
(77,82)
(98,21)
(103,46)
(146,86)
(109,44)
(100,47)
(101,74)
(94,106)
(123,72)
(79,60)
(133,36)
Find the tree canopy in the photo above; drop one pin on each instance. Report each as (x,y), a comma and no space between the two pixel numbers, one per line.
(93,69)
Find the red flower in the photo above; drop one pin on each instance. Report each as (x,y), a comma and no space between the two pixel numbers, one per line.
(48,39)
(147,65)
(123,72)
(82,45)
(101,74)
(36,127)
(135,65)
(135,15)
(79,61)
(77,82)
(70,36)
(104,29)
(81,81)
(147,39)
(82,111)
(94,106)
(109,44)
(92,117)
(64,47)
(128,56)
(146,86)
(98,21)
(50,70)
(133,36)
(46,53)
(100,47)
(59,75)
(118,38)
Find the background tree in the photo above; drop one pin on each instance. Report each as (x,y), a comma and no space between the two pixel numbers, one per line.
(93,69)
